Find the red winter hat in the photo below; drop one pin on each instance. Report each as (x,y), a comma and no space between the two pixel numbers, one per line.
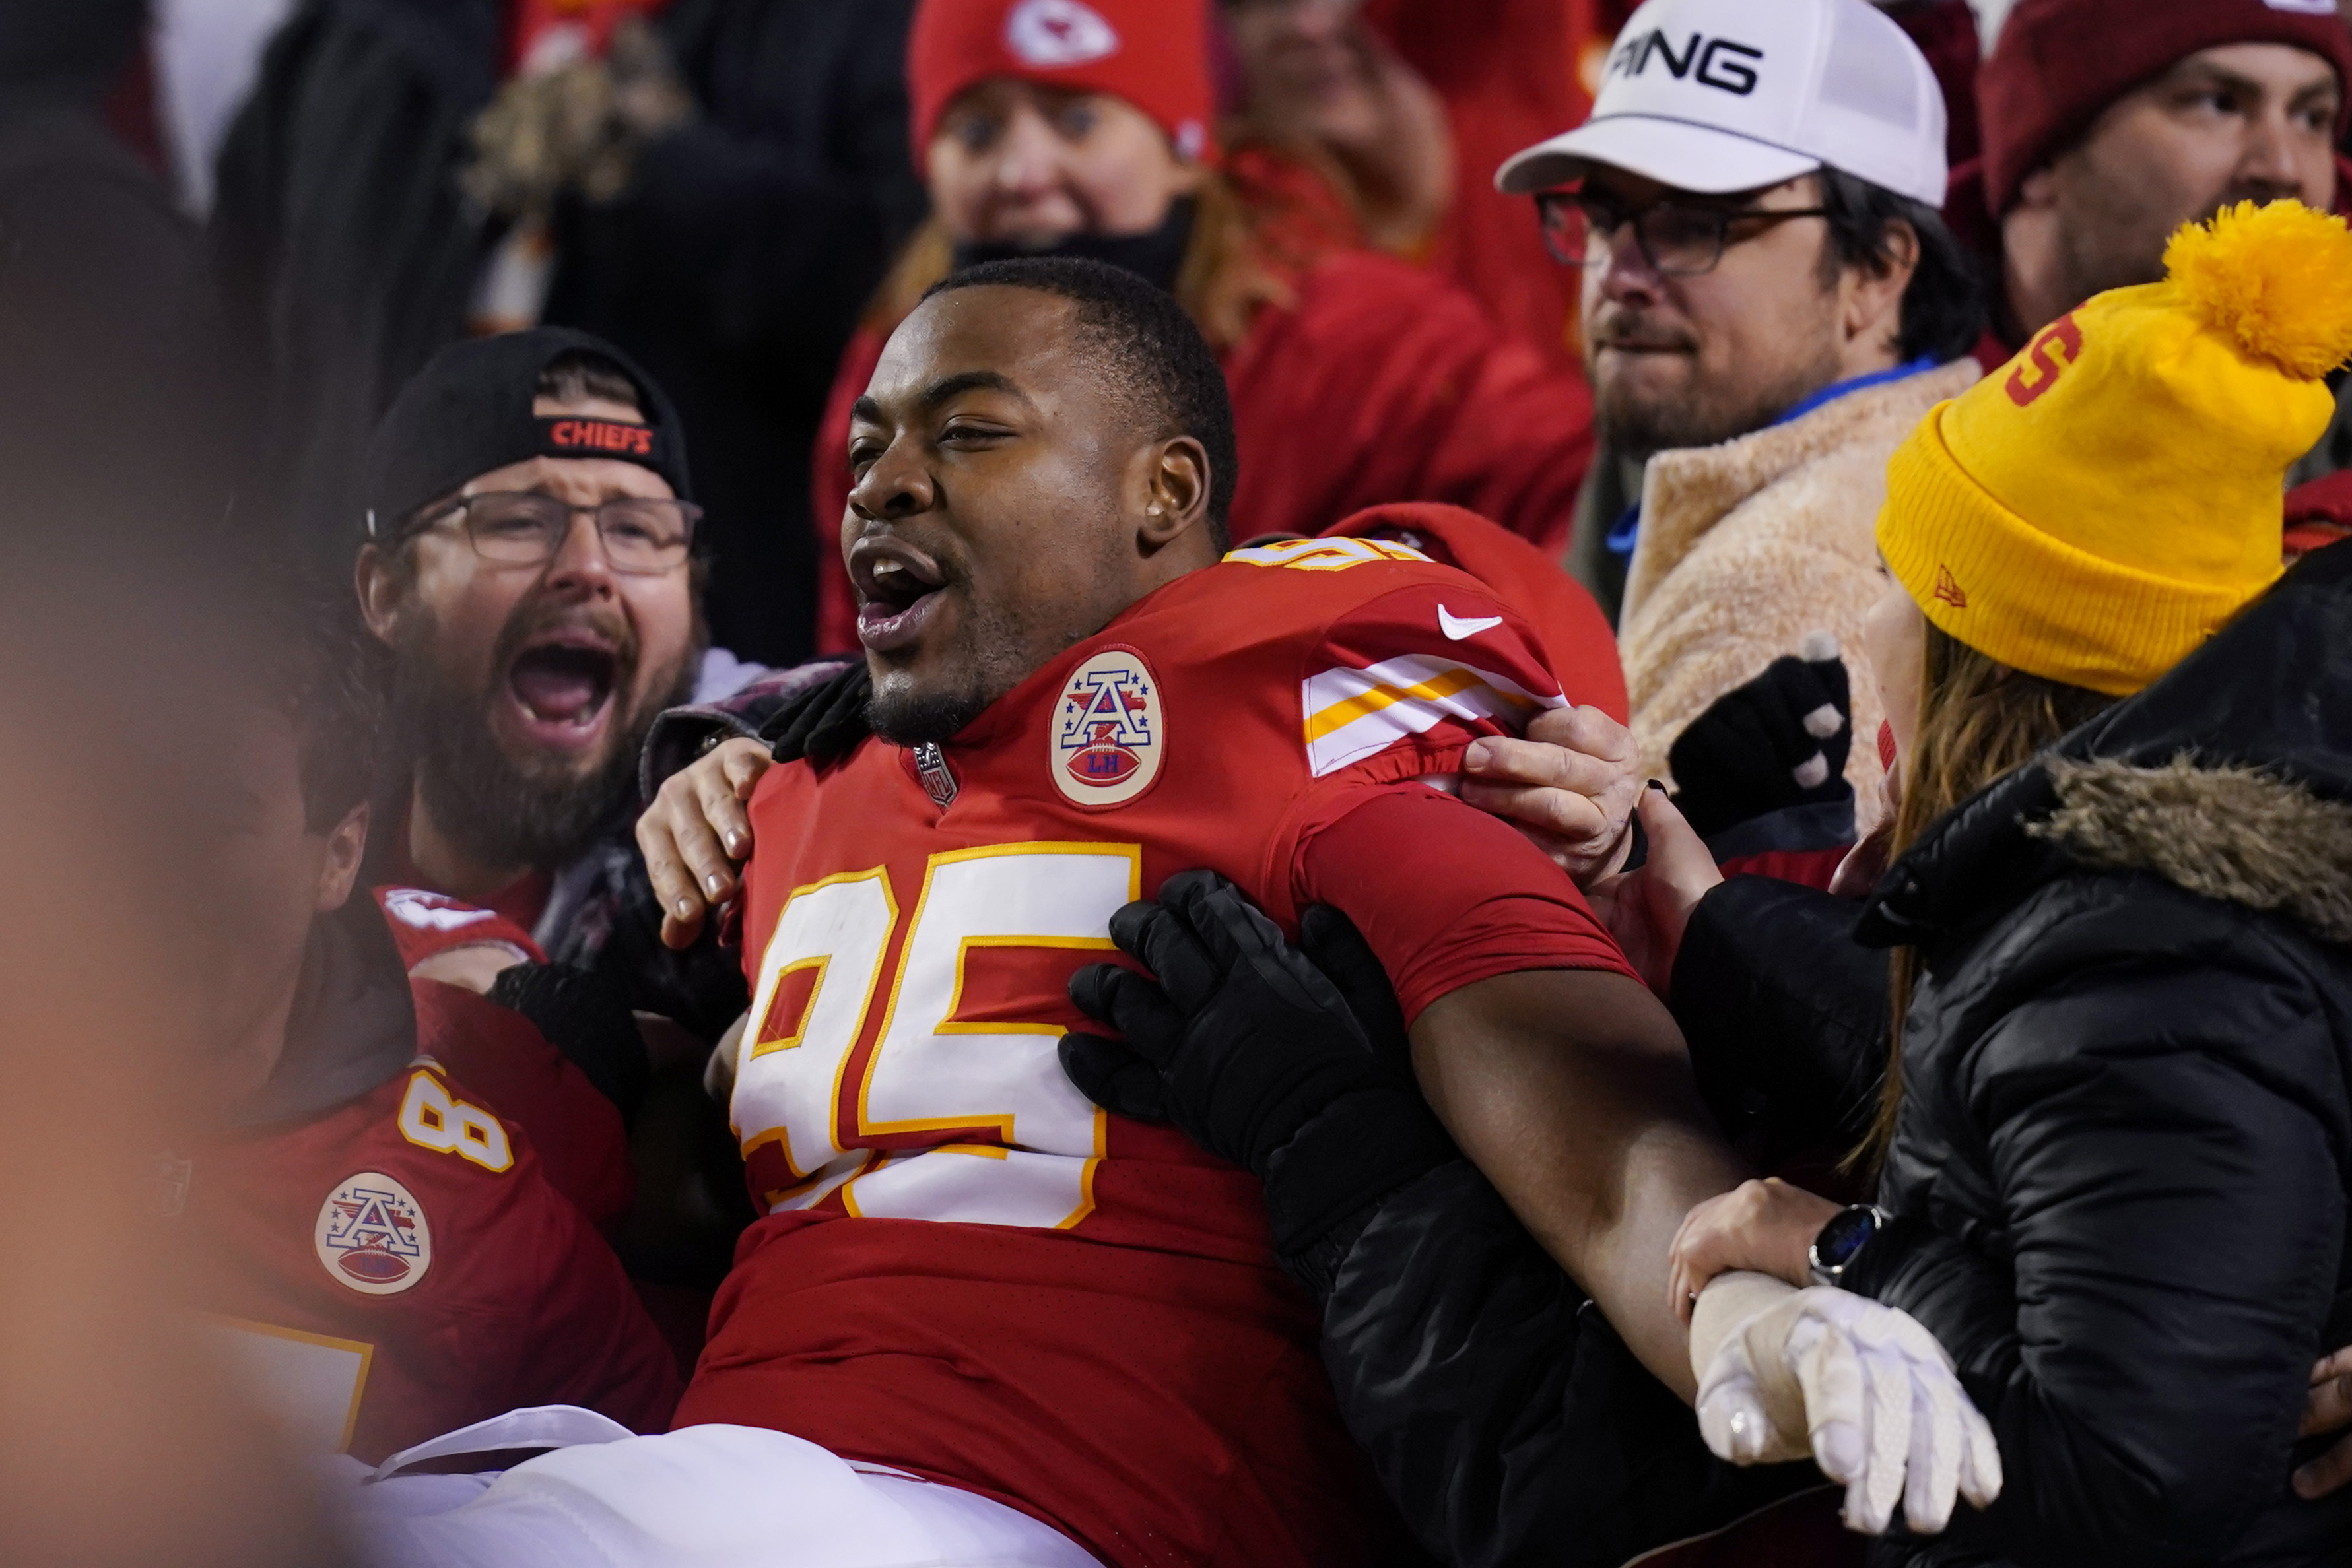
(2059,62)
(1153,53)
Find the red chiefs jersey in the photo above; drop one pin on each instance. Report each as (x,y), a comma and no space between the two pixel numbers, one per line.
(399,1266)
(967,1270)
(581,1141)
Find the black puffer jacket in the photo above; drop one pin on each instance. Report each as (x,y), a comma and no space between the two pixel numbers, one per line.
(2121,1167)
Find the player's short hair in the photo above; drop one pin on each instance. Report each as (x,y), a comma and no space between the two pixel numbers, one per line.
(1152,346)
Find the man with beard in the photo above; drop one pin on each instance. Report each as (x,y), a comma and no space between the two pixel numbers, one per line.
(1770,303)
(532,565)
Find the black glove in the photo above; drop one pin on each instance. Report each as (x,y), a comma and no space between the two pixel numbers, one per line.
(584,1016)
(1780,741)
(1255,1052)
(825,723)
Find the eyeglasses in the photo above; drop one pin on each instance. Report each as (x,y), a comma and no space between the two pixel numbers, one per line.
(642,535)
(1677,239)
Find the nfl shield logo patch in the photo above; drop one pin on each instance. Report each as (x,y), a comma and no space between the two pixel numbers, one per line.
(371,1235)
(1109,733)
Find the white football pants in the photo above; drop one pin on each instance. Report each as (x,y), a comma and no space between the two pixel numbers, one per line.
(703,1497)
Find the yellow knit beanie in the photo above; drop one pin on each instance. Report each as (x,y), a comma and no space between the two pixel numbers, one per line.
(2099,506)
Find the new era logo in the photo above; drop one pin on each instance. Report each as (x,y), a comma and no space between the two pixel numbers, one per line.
(1949,589)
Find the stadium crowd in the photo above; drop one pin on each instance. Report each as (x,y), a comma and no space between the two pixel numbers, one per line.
(1119,783)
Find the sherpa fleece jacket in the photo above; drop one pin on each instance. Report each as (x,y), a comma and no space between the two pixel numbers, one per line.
(1747,547)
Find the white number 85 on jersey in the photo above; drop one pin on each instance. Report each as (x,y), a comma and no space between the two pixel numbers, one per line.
(1030,1141)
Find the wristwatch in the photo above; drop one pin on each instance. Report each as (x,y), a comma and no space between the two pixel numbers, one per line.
(1840,1242)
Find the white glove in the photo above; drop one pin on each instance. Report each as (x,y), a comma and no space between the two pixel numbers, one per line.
(1881,1409)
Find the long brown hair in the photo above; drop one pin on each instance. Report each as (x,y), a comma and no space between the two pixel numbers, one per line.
(1979,719)
(1260,220)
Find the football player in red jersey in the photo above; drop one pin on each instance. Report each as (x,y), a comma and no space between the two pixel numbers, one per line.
(1066,1327)
(390,1259)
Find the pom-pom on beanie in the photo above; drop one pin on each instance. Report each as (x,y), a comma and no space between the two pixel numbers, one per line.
(2098,507)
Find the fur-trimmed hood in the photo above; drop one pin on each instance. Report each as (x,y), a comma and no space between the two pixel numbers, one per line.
(2229,777)
(2232,833)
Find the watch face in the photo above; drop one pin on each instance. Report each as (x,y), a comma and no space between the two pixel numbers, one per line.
(1843,1236)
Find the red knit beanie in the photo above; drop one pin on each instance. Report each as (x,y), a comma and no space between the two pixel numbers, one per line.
(1153,53)
(2058,63)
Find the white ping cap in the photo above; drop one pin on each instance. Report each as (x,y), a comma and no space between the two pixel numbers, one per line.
(1716,96)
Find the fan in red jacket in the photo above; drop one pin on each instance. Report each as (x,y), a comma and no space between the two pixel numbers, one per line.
(1356,378)
(386,1257)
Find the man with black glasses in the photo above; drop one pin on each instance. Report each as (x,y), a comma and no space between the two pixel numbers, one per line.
(532,563)
(1770,304)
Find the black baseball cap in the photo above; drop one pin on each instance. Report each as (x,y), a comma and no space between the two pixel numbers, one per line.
(469,411)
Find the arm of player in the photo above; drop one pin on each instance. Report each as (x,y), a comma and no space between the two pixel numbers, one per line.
(1554,1068)
(1508,1423)
(1571,1091)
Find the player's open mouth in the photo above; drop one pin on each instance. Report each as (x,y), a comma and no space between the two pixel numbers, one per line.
(899,587)
(563,687)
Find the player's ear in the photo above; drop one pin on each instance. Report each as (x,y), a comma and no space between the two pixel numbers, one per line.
(346,847)
(1177,491)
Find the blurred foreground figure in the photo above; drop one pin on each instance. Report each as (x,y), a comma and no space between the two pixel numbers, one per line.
(123,1441)
(713,184)
(390,1257)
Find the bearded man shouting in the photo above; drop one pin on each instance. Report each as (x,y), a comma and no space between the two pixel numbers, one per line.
(533,563)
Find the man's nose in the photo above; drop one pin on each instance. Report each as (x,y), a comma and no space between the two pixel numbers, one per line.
(1028,155)
(895,485)
(1625,276)
(580,561)
(1320,21)
(2281,159)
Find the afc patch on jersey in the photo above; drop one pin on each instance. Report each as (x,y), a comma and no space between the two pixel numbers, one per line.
(371,1235)
(1110,733)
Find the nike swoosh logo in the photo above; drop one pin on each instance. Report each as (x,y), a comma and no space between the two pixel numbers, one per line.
(1457,628)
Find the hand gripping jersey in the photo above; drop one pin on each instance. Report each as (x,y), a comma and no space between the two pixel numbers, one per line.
(967,1270)
(399,1266)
